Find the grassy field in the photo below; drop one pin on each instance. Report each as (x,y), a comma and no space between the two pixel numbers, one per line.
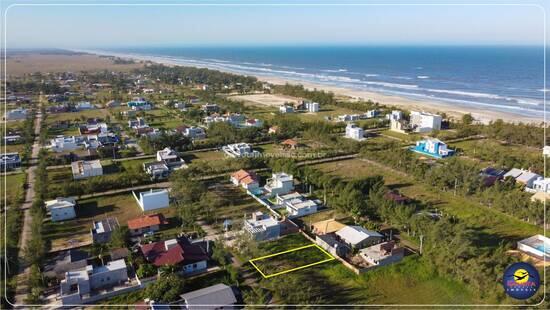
(411,281)
(293,258)
(14,188)
(492,225)
(486,149)
(77,116)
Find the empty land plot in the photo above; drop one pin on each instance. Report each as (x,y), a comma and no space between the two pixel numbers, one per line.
(291,260)
(265,99)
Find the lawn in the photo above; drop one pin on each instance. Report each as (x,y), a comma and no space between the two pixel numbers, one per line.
(14,148)
(492,225)
(93,113)
(13,184)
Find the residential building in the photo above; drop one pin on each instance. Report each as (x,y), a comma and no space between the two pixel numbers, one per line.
(247,179)
(371,114)
(355,132)
(326,227)
(382,254)
(273,130)
(146,223)
(64,261)
(86,169)
(210,108)
(137,123)
(138,104)
(101,230)
(16,114)
(524,177)
(297,205)
(400,125)
(290,144)
(95,128)
(10,161)
(191,258)
(79,285)
(312,107)
(432,147)
(279,184)
(490,175)
(152,199)
(262,227)
(238,150)
(112,104)
(540,196)
(395,115)
(156,170)
(83,105)
(170,158)
(286,109)
(537,246)
(358,237)
(542,185)
(425,122)
(61,209)
(249,122)
(64,144)
(332,244)
(194,133)
(12,139)
(219,296)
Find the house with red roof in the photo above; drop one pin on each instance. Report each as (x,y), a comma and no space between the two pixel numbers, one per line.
(146,223)
(192,258)
(247,179)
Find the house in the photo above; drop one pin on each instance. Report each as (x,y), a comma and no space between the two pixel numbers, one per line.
(152,199)
(101,230)
(79,285)
(156,170)
(490,175)
(425,122)
(400,125)
(326,227)
(146,223)
(86,169)
(382,254)
(194,133)
(113,104)
(290,144)
(249,122)
(540,197)
(64,261)
(170,158)
(332,244)
(433,148)
(355,132)
(191,258)
(262,227)
(60,108)
(348,118)
(12,139)
(137,123)
(279,184)
(64,144)
(219,296)
(83,105)
(524,177)
(358,237)
(537,246)
(371,114)
(312,107)
(273,130)
(296,204)
(286,109)
(95,128)
(210,108)
(61,209)
(542,185)
(238,150)
(139,104)
(16,114)
(10,161)
(247,179)
(546,150)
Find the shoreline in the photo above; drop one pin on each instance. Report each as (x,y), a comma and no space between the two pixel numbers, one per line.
(454,111)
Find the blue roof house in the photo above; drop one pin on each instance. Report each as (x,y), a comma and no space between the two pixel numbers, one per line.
(432,147)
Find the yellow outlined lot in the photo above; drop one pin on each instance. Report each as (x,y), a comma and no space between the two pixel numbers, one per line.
(330,258)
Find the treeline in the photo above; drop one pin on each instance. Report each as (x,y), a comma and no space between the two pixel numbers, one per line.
(300,91)
(463,178)
(34,86)
(191,76)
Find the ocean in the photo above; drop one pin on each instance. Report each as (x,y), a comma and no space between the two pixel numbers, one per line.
(505,79)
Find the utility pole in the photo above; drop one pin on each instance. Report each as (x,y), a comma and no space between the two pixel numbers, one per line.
(421,243)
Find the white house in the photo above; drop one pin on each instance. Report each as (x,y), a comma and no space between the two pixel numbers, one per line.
(84,105)
(358,237)
(312,107)
(524,177)
(542,185)
(64,144)
(152,199)
(219,296)
(279,184)
(170,158)
(382,254)
(86,169)
(355,132)
(395,115)
(286,109)
(240,150)
(262,227)
(78,285)
(537,246)
(61,209)
(195,133)
(297,205)
(425,122)
(16,114)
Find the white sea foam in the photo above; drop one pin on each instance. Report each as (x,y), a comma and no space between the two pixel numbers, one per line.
(422,77)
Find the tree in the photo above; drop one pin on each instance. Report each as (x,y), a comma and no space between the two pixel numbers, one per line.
(120,238)
(146,270)
(467,119)
(166,289)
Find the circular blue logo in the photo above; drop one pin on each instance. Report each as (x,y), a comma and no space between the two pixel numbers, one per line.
(521,280)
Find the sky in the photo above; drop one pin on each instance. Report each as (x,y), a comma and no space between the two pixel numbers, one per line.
(178,23)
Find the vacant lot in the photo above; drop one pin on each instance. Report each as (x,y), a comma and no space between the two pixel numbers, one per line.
(266,99)
(492,224)
(13,184)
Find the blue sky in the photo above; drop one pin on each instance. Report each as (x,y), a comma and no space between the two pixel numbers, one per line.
(118,26)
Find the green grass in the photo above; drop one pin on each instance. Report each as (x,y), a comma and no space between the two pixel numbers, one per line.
(287,261)
(14,148)
(492,225)
(14,188)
